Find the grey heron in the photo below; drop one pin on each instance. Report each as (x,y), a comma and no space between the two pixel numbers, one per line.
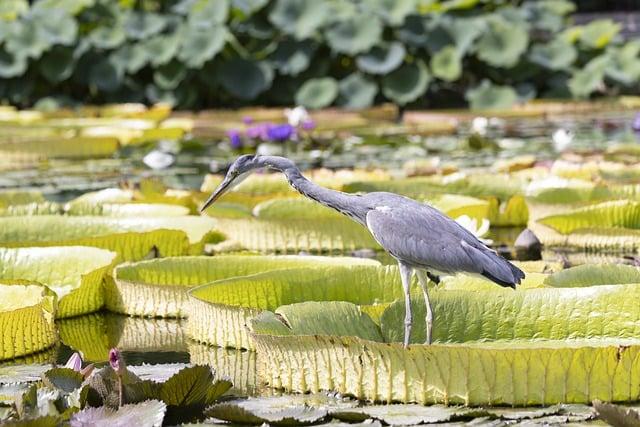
(418,236)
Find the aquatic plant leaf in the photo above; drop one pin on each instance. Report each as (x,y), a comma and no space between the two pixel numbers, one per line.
(502,43)
(74,148)
(520,371)
(291,57)
(559,54)
(219,311)
(617,213)
(188,392)
(169,279)
(64,379)
(292,208)
(27,311)
(512,213)
(237,365)
(407,83)
(382,59)
(74,273)
(317,93)
(561,313)
(590,78)
(134,210)
(446,64)
(130,238)
(299,18)
(294,416)
(356,35)
(356,91)
(322,318)
(488,96)
(599,33)
(594,274)
(146,414)
(199,44)
(617,415)
(245,79)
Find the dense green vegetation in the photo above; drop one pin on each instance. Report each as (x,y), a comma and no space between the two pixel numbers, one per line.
(197,53)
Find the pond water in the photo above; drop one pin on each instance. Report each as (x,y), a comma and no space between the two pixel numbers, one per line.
(161,341)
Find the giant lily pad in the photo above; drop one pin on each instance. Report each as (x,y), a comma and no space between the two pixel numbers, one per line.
(407,83)
(514,372)
(299,18)
(382,59)
(502,42)
(159,287)
(219,311)
(130,238)
(317,93)
(618,214)
(27,311)
(74,273)
(356,35)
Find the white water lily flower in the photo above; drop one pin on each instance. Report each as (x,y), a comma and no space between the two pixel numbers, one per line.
(479,125)
(471,224)
(296,116)
(74,362)
(561,139)
(554,181)
(158,159)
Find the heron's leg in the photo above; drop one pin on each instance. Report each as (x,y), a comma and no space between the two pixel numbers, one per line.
(423,278)
(405,274)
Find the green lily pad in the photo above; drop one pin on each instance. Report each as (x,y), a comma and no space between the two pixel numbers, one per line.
(594,274)
(446,64)
(291,57)
(382,59)
(355,35)
(502,43)
(201,44)
(245,79)
(559,54)
(74,273)
(159,287)
(27,311)
(144,414)
(317,93)
(488,96)
(618,214)
(299,18)
(407,83)
(599,33)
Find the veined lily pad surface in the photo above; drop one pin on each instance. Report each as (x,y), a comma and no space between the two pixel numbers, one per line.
(130,238)
(27,311)
(159,287)
(74,273)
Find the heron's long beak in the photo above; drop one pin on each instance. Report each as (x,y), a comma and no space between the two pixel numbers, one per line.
(222,188)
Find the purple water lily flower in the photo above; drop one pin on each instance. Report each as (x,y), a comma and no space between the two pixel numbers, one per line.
(635,124)
(259,131)
(235,138)
(74,362)
(280,132)
(247,120)
(115,360)
(308,124)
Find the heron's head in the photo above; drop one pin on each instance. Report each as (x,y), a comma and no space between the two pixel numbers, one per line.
(237,172)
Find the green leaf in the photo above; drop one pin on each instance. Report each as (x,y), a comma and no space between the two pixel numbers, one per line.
(355,35)
(618,213)
(464,31)
(502,43)
(220,309)
(145,414)
(299,18)
(204,12)
(291,57)
(201,44)
(130,238)
(245,79)
(161,49)
(106,75)
(317,93)
(556,55)
(141,25)
(356,91)
(488,96)
(12,65)
(599,33)
(27,311)
(585,81)
(74,273)
(131,57)
(58,64)
(393,12)
(189,391)
(326,318)
(23,39)
(382,59)
(108,36)
(55,25)
(594,274)
(159,287)
(170,75)
(65,379)
(446,64)
(248,7)
(407,83)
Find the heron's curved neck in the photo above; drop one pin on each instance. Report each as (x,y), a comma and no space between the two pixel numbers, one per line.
(347,204)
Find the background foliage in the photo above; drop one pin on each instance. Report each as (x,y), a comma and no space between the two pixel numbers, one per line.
(350,53)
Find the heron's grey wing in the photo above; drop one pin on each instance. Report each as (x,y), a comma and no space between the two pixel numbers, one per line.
(424,237)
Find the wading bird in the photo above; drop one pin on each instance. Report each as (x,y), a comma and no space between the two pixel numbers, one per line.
(418,236)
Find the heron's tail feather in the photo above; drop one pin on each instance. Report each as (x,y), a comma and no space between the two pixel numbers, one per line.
(494,267)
